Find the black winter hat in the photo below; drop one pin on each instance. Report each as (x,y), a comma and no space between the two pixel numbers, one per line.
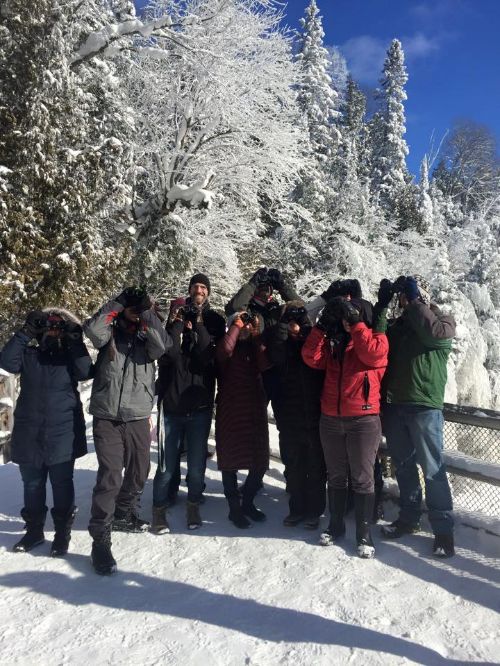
(199,278)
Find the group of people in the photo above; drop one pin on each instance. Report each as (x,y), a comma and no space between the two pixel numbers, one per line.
(337,371)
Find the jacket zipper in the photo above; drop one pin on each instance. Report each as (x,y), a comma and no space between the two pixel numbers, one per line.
(125,365)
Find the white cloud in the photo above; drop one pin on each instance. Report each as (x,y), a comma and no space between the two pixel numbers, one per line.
(365,54)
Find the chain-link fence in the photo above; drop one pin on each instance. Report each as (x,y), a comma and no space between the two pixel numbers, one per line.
(474,433)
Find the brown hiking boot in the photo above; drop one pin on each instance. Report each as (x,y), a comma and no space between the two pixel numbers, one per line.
(193,516)
(160,524)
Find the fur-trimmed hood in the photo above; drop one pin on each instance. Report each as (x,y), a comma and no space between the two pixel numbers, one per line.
(63,313)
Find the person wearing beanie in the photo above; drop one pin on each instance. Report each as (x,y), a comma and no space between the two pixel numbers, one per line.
(49,426)
(130,338)
(186,389)
(420,343)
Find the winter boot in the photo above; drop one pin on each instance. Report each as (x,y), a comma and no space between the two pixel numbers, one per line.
(236,515)
(128,521)
(399,528)
(444,545)
(34,531)
(337,499)
(101,557)
(193,517)
(62,536)
(363,508)
(311,523)
(160,524)
(293,519)
(250,489)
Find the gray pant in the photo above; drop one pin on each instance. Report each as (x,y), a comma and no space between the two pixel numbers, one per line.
(118,446)
(350,442)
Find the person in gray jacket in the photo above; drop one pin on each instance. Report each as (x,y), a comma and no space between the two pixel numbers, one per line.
(130,337)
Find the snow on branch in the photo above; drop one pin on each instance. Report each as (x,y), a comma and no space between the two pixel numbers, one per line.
(194,196)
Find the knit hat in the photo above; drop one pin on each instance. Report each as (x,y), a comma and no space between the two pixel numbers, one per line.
(199,278)
(424,288)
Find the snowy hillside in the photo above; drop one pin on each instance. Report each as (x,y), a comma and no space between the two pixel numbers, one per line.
(268,595)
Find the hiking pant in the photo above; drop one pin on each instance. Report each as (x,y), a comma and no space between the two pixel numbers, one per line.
(119,446)
(350,442)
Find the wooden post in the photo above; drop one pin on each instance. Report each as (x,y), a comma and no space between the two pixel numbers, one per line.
(7,402)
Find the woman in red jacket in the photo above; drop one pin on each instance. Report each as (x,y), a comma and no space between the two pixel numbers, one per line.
(241,430)
(355,358)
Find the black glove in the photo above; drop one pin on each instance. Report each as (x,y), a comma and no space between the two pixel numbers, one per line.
(135,297)
(260,277)
(276,278)
(399,284)
(36,323)
(350,313)
(331,315)
(333,290)
(74,333)
(385,293)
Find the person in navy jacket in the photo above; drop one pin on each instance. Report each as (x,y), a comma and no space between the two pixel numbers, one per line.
(49,427)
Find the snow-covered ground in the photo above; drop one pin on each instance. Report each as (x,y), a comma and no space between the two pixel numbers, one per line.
(268,595)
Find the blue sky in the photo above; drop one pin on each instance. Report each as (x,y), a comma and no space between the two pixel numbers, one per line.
(452,52)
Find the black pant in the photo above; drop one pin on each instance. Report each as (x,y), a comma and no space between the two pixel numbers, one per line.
(118,446)
(35,487)
(306,471)
(250,488)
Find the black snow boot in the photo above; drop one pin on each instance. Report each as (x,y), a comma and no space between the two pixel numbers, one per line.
(337,500)
(444,545)
(129,521)
(62,536)
(34,531)
(236,515)
(363,507)
(101,557)
(249,491)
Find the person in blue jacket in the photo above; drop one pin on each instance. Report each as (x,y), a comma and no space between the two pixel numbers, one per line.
(49,427)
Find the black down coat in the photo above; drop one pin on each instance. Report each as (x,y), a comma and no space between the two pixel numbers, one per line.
(49,426)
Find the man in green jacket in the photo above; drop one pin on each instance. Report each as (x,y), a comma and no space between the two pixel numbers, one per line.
(419,346)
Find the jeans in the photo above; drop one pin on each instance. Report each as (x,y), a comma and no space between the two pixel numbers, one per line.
(35,482)
(195,429)
(415,435)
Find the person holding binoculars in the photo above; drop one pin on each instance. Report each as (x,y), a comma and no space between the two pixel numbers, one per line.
(49,426)
(241,429)
(354,358)
(130,338)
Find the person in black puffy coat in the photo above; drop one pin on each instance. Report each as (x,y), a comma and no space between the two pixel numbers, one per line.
(297,411)
(49,426)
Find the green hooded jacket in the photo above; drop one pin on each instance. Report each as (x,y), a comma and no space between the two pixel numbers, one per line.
(419,347)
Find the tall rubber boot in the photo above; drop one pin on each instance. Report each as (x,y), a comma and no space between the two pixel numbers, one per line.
(337,500)
(363,508)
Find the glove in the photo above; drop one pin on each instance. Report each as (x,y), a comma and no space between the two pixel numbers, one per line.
(333,290)
(350,313)
(36,323)
(399,284)
(260,277)
(276,278)
(385,293)
(135,297)
(74,333)
(331,315)
(410,289)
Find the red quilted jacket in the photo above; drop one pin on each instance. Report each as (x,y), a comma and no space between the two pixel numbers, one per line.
(352,385)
